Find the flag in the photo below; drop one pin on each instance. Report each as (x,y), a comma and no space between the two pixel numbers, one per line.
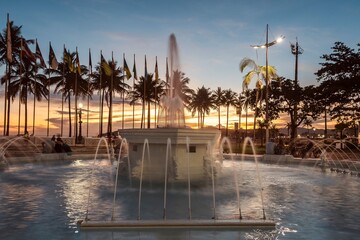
(8,42)
(156,71)
(39,55)
(25,50)
(105,66)
(134,69)
(52,59)
(127,70)
(68,60)
(146,73)
(90,63)
(78,62)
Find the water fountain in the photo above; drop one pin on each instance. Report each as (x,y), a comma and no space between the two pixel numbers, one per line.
(293,195)
(175,154)
(118,222)
(171,124)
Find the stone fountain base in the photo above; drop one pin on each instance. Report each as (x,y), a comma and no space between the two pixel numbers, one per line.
(202,142)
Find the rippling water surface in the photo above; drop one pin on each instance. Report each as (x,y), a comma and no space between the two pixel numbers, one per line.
(45,201)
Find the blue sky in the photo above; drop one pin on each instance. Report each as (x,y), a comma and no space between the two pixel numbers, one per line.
(213,36)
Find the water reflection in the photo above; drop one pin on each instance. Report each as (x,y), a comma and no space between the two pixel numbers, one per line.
(45,201)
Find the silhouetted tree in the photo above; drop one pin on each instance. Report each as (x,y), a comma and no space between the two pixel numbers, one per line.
(340,83)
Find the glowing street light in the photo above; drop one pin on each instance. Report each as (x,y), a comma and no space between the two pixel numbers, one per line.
(266,46)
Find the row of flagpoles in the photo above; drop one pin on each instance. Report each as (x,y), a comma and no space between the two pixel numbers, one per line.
(53,64)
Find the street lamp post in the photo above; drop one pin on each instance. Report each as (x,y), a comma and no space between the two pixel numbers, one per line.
(80,122)
(266,46)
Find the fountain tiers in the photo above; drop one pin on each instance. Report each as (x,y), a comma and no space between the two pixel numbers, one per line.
(199,142)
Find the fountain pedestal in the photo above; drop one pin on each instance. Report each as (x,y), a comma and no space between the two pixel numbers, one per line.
(201,144)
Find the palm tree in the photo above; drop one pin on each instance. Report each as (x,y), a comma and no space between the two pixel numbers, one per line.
(218,96)
(65,79)
(260,73)
(16,40)
(108,83)
(182,89)
(28,81)
(239,104)
(230,100)
(262,126)
(247,102)
(202,101)
(144,90)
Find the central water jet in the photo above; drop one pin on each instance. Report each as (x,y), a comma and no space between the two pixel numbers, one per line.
(171,125)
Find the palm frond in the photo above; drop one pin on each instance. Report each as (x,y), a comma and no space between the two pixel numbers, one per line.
(247,62)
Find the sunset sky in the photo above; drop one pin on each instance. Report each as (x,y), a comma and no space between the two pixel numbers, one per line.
(213,37)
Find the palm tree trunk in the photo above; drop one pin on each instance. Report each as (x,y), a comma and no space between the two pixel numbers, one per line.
(26,111)
(255,112)
(102,112)
(143,114)
(199,119)
(69,102)
(148,113)
(246,121)
(219,116)
(227,120)
(202,119)
(8,115)
(19,113)
(33,131)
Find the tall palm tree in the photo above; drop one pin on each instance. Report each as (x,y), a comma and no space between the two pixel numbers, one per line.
(65,78)
(262,126)
(28,81)
(144,91)
(230,100)
(107,84)
(247,103)
(202,102)
(218,96)
(239,104)
(183,90)
(259,72)
(16,40)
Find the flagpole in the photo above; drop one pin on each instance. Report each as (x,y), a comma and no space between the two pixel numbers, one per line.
(123,94)
(33,130)
(111,95)
(167,89)
(100,109)
(109,130)
(6,95)
(88,98)
(21,48)
(144,93)
(134,68)
(76,93)
(156,76)
(8,67)
(48,110)
(62,93)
